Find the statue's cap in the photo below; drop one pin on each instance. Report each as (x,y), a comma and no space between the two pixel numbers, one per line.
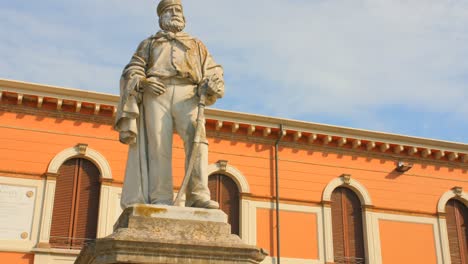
(166,3)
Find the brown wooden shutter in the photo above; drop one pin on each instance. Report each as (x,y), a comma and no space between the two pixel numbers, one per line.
(76,204)
(87,202)
(213,184)
(337,224)
(348,240)
(62,213)
(225,191)
(457,219)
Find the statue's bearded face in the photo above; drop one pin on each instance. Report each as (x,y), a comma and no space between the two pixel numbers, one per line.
(172,19)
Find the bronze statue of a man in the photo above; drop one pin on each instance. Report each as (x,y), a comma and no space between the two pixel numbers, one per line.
(159,93)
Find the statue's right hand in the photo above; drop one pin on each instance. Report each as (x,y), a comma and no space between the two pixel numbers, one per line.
(152,85)
(127,137)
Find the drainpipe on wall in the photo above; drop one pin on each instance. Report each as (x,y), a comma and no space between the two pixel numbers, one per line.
(280,136)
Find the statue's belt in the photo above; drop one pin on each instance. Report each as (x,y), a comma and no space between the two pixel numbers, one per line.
(175,80)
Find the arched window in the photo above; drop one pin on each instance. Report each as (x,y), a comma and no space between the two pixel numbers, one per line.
(225,191)
(76,204)
(348,240)
(457,221)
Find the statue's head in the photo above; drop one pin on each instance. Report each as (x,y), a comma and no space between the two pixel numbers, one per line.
(171,15)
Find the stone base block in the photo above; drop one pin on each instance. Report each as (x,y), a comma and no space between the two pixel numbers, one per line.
(167,234)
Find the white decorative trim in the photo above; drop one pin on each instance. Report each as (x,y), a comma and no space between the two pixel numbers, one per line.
(235,174)
(27,244)
(55,256)
(248,230)
(90,154)
(328,234)
(353,184)
(372,244)
(404,218)
(47,210)
(272,260)
(103,213)
(251,218)
(347,181)
(109,209)
(444,240)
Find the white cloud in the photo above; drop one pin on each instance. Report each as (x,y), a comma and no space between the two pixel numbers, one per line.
(357,55)
(305,59)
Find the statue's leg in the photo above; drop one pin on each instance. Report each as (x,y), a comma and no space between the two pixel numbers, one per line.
(185,115)
(159,129)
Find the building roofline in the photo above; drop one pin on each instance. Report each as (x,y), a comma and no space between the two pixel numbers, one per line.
(318,128)
(265,123)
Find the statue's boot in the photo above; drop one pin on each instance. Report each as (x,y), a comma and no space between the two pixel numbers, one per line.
(208,204)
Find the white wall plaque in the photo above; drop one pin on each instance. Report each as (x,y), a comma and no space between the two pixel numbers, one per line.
(16,211)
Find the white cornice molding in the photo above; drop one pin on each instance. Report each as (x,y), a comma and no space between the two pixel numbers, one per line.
(342,141)
(356,143)
(312,131)
(57,92)
(297,135)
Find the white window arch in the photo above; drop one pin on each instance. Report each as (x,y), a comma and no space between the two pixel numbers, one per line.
(347,181)
(231,171)
(81,151)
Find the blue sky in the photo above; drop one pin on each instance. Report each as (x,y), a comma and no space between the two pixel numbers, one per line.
(393,66)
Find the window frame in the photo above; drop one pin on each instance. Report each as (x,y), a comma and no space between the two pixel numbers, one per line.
(455,193)
(370,247)
(107,211)
(244,204)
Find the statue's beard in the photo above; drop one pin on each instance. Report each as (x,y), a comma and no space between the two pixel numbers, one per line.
(172,25)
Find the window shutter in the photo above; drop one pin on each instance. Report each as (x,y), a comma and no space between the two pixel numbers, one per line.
(62,213)
(337,224)
(213,184)
(87,202)
(348,241)
(354,217)
(457,219)
(225,191)
(76,204)
(230,202)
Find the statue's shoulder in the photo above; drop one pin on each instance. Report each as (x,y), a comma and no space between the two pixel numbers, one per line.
(144,43)
(199,42)
(148,40)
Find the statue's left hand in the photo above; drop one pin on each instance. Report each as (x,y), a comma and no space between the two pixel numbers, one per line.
(215,87)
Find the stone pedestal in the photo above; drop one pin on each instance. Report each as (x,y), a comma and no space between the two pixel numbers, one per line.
(168,234)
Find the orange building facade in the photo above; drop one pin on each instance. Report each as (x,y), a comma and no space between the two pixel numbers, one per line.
(342,195)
